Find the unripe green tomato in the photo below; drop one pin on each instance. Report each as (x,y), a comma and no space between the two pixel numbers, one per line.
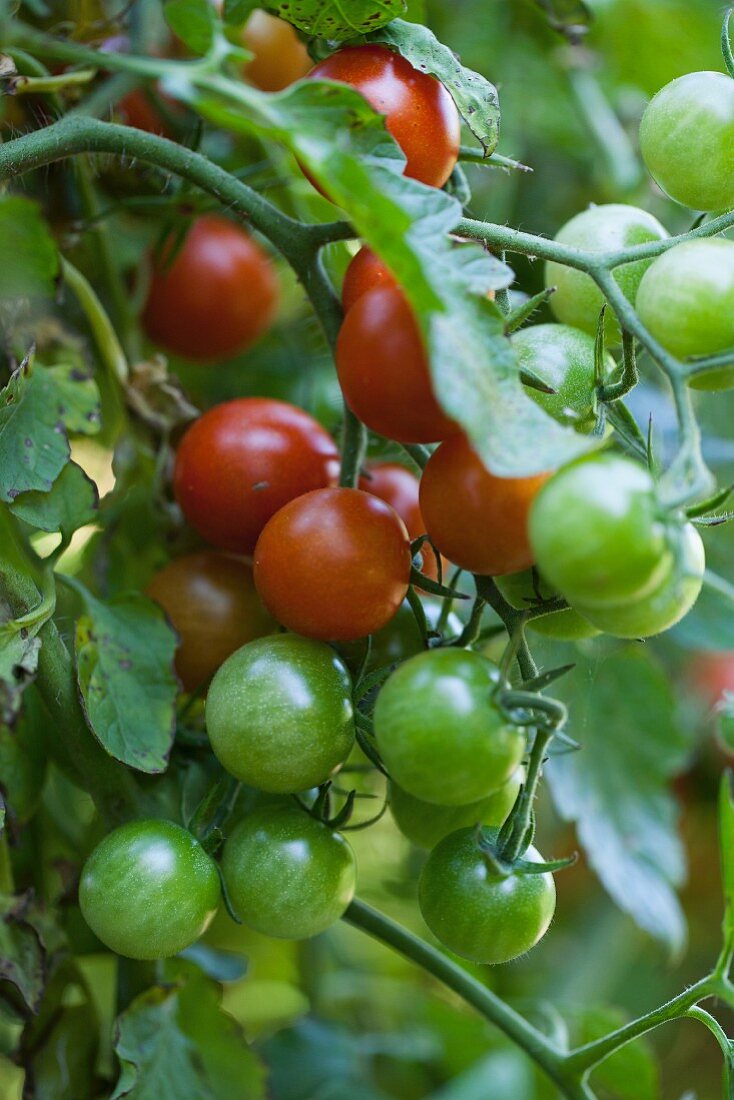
(279,713)
(687,140)
(476,912)
(563,357)
(149,890)
(524,589)
(577,300)
(597,532)
(287,874)
(686,300)
(665,605)
(425,823)
(439,732)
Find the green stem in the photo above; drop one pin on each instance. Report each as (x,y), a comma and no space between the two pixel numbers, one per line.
(353,449)
(630,374)
(105,337)
(35,85)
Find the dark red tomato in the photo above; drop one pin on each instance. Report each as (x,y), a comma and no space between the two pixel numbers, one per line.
(280,56)
(478,521)
(365,272)
(211,601)
(333,564)
(137,111)
(399,488)
(242,461)
(383,370)
(419,112)
(217,296)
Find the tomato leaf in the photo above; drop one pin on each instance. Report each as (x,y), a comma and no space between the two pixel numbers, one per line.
(71,502)
(124,652)
(336,19)
(193,21)
(31,262)
(235,12)
(22,954)
(18,666)
(625,816)
(631,1073)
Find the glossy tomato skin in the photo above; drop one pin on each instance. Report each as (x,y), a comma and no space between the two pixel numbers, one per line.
(217,295)
(279,713)
(288,875)
(242,461)
(475,912)
(441,736)
(563,357)
(598,534)
(687,137)
(425,823)
(477,520)
(280,56)
(365,272)
(400,489)
(212,604)
(419,112)
(522,590)
(384,371)
(577,300)
(686,300)
(333,564)
(149,890)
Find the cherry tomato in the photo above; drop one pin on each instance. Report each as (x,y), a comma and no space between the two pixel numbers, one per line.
(280,56)
(598,532)
(149,890)
(686,300)
(522,590)
(419,112)
(365,272)
(217,295)
(137,111)
(563,358)
(384,373)
(478,521)
(211,601)
(399,488)
(577,300)
(477,912)
(425,823)
(279,713)
(686,136)
(288,875)
(242,461)
(439,732)
(333,564)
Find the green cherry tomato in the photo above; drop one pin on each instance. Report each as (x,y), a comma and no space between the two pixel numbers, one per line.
(563,357)
(478,913)
(596,532)
(687,140)
(665,605)
(439,732)
(149,889)
(425,823)
(577,300)
(279,713)
(287,874)
(524,589)
(686,300)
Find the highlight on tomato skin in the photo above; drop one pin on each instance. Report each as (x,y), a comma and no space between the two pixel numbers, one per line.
(365,272)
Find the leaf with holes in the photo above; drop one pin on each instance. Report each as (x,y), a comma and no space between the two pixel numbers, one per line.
(71,502)
(335,19)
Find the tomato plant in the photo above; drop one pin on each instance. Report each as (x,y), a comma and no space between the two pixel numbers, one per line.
(366,271)
(563,358)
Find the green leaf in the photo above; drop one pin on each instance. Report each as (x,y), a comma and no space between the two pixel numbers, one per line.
(22,766)
(709,625)
(571,18)
(30,259)
(193,21)
(631,1073)
(71,502)
(124,653)
(19,651)
(726,847)
(235,12)
(176,1042)
(616,789)
(336,19)
(475,97)
(63,1062)
(22,954)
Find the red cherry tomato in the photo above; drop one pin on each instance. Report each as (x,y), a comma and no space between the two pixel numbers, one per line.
(365,272)
(333,564)
(242,461)
(216,297)
(399,488)
(419,112)
(383,370)
(478,521)
(280,56)
(713,674)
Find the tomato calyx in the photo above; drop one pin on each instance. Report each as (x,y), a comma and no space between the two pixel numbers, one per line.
(489,843)
(321,809)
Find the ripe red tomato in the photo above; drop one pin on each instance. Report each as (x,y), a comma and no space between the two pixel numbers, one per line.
(216,297)
(333,564)
(383,370)
(478,521)
(137,111)
(242,461)
(419,112)
(280,56)
(365,272)
(399,488)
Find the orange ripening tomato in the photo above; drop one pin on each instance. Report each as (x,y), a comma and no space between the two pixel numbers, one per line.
(383,370)
(365,272)
(399,488)
(480,522)
(280,56)
(333,565)
(217,296)
(211,601)
(242,461)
